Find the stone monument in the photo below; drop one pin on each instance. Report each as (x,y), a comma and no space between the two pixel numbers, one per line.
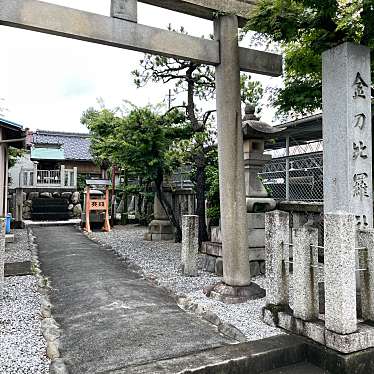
(348,224)
(160,227)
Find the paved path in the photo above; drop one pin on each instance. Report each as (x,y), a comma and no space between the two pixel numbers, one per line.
(113,321)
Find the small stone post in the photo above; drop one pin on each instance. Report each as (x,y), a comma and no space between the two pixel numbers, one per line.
(18,208)
(124,9)
(366,261)
(2,254)
(190,244)
(277,234)
(304,255)
(340,273)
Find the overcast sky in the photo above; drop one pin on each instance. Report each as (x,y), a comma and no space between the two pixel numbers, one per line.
(48,81)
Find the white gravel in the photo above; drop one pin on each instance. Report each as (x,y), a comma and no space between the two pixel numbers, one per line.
(22,346)
(160,261)
(18,251)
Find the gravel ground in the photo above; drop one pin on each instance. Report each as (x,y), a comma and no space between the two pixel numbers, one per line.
(22,347)
(160,261)
(18,251)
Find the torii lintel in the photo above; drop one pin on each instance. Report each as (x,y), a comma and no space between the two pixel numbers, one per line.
(76,24)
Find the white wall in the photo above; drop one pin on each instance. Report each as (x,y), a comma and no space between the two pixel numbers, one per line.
(14,172)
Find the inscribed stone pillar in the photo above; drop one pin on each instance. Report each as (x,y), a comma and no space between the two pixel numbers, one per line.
(190,244)
(277,236)
(124,9)
(304,255)
(340,273)
(347,148)
(236,270)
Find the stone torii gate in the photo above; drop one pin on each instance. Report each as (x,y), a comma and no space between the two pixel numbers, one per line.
(122,30)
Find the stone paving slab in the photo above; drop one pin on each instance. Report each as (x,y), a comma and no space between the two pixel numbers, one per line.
(110,316)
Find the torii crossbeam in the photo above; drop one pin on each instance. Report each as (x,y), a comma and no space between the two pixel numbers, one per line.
(122,30)
(76,24)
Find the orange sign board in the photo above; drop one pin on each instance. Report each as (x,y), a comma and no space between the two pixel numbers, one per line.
(98,205)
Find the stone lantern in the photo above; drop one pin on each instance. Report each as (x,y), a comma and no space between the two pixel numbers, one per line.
(258,200)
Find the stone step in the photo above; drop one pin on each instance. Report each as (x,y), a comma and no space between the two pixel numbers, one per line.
(301,368)
(253,357)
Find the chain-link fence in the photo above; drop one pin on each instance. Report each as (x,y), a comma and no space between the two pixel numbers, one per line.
(295,177)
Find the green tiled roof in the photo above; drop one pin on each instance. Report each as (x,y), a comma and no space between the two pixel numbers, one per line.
(47,153)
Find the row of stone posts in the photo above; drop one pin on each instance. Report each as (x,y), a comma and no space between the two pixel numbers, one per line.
(348,247)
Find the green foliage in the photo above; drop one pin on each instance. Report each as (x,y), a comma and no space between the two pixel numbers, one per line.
(212,184)
(304,29)
(143,142)
(14,154)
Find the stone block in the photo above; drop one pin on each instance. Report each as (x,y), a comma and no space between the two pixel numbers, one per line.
(256,220)
(219,266)
(124,9)
(75,197)
(362,339)
(161,227)
(256,238)
(257,254)
(162,237)
(340,273)
(216,234)
(46,195)
(315,330)
(254,268)
(190,244)
(147,236)
(262,267)
(213,249)
(33,195)
(210,264)
(9,238)
(285,321)
(365,239)
(276,235)
(304,255)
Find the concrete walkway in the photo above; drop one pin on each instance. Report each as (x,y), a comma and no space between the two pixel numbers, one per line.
(113,321)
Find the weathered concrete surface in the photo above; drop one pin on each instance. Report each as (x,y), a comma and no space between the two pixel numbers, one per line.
(230,156)
(111,318)
(208,8)
(124,9)
(76,24)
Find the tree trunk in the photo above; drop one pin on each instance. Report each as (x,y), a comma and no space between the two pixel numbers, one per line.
(200,195)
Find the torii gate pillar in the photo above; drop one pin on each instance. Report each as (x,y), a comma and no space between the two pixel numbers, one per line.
(236,286)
